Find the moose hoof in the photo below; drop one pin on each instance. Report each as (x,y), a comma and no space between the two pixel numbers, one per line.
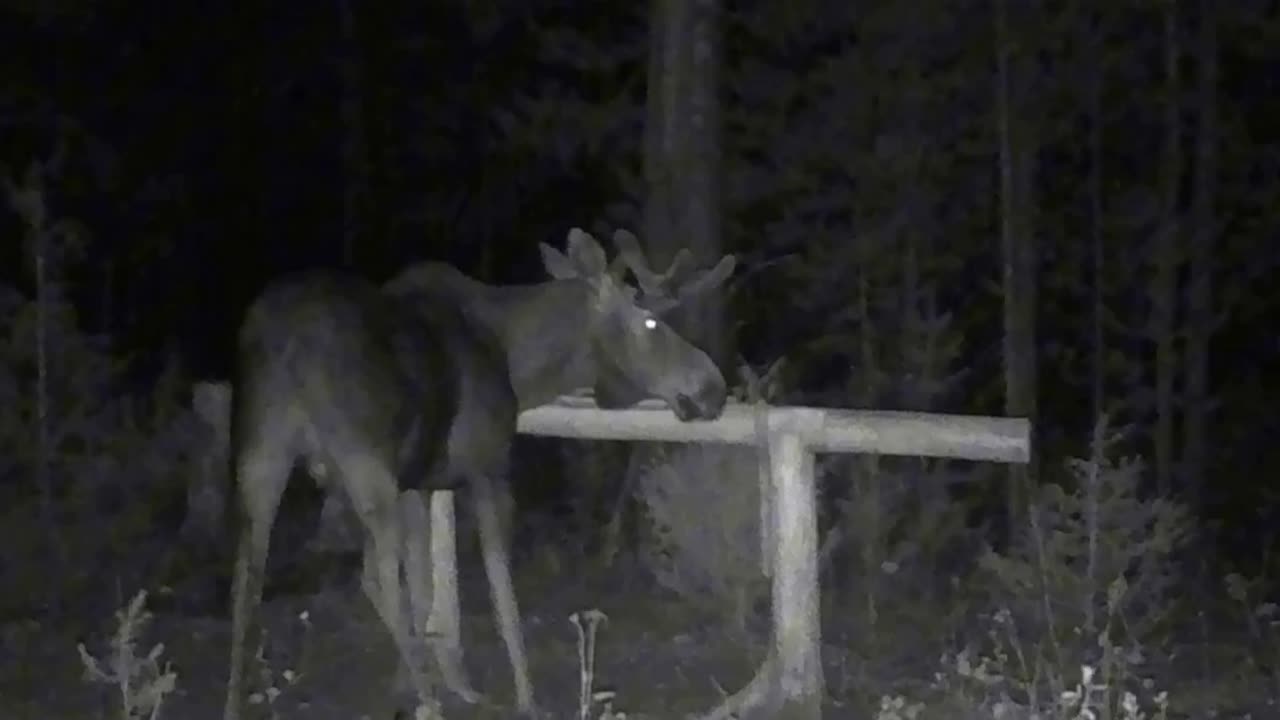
(454,675)
(529,713)
(415,711)
(462,688)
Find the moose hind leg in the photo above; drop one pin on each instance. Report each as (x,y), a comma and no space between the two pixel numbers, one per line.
(497,565)
(261,475)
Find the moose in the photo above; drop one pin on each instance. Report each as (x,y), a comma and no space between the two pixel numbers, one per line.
(416,386)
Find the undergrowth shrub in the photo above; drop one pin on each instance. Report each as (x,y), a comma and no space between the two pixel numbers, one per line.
(1078,610)
(595,505)
(1259,656)
(138,683)
(1091,582)
(116,460)
(703,508)
(117,465)
(903,549)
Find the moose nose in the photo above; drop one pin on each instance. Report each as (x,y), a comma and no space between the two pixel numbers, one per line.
(714,396)
(706,404)
(685,408)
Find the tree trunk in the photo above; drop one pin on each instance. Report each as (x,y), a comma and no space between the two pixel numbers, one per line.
(682,155)
(1200,320)
(355,156)
(48,511)
(1017,232)
(28,201)
(1097,80)
(862,514)
(1166,251)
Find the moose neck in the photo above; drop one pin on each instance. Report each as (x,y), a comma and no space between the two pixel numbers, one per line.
(545,330)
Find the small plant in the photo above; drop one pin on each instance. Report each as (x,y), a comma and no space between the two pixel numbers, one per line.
(592,704)
(896,707)
(1262,623)
(140,680)
(1083,700)
(268,678)
(273,680)
(429,710)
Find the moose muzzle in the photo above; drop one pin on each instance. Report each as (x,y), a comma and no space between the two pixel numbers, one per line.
(707,403)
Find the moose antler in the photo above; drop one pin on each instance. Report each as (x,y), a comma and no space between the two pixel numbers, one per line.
(662,291)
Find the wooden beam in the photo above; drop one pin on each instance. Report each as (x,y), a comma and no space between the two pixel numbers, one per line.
(972,437)
(797,634)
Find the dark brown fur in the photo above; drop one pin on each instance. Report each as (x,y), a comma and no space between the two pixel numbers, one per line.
(416,385)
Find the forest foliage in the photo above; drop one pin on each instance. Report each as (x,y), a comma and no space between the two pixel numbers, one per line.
(861,184)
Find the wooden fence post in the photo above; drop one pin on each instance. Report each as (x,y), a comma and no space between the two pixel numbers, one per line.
(797,634)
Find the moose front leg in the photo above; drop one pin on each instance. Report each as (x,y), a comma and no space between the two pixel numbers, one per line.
(377,503)
(437,615)
(494,543)
(261,475)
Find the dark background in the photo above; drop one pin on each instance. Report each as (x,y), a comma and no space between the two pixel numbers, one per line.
(220,163)
(205,159)
(203,155)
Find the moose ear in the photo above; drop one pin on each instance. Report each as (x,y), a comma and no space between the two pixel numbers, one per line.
(586,253)
(558,266)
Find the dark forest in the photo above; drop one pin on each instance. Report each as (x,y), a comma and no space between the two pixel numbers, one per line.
(1060,213)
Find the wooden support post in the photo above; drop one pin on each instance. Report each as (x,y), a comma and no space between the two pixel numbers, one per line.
(764,479)
(797,635)
(789,684)
(446,614)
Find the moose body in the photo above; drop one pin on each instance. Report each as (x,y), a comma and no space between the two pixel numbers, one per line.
(352,369)
(416,386)
(371,388)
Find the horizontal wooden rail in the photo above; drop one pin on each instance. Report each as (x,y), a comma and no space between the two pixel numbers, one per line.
(972,437)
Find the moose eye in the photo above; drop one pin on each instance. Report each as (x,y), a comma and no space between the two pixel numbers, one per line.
(651,323)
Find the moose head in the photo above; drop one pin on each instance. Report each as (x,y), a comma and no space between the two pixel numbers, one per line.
(634,353)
